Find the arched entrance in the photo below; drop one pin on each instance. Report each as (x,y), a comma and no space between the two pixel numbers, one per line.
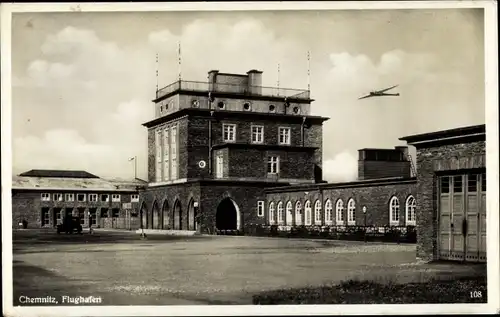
(156,216)
(228,215)
(177,216)
(191,216)
(165,216)
(144,216)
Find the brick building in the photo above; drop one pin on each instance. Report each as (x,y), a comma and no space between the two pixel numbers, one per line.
(451,191)
(44,197)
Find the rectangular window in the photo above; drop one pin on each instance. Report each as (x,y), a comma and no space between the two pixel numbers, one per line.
(273,165)
(45,216)
(159,159)
(115,212)
(257,134)
(115,198)
(58,215)
(166,154)
(173,152)
(229,132)
(105,198)
(457,184)
(70,197)
(93,216)
(80,197)
(445,185)
(58,197)
(472,183)
(260,208)
(134,198)
(220,166)
(104,212)
(93,197)
(45,197)
(284,137)
(483,182)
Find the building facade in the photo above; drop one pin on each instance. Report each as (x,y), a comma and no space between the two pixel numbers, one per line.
(42,198)
(451,191)
(214,148)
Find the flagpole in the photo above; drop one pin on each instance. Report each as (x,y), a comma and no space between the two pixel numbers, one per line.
(157,66)
(135,167)
(180,63)
(278,83)
(308,70)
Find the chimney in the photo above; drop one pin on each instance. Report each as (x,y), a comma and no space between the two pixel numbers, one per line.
(212,79)
(255,81)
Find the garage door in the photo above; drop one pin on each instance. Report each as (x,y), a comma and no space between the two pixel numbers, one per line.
(462,217)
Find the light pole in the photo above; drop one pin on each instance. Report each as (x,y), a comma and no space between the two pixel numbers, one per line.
(364,213)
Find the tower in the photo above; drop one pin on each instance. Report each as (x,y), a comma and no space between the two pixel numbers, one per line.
(228,139)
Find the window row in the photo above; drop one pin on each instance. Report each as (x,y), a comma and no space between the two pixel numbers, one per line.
(57,215)
(257,134)
(473,183)
(83,197)
(292,215)
(166,144)
(273,165)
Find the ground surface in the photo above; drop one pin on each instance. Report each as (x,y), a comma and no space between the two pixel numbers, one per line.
(125,270)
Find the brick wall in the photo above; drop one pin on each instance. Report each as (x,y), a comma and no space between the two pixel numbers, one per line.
(429,161)
(381,169)
(375,198)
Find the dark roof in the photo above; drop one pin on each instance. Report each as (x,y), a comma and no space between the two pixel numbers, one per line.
(58,173)
(451,133)
(382,150)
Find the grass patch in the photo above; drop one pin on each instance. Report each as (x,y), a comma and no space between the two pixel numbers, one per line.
(372,292)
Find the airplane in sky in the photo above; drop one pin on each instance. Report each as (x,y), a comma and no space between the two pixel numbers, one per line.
(380,93)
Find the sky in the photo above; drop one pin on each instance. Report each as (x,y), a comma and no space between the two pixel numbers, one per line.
(83,82)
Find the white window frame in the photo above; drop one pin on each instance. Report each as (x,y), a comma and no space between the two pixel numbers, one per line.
(107,199)
(260,208)
(308,213)
(281,213)
(134,198)
(298,213)
(339,212)
(273,161)
(173,153)
(116,198)
(272,219)
(317,212)
(328,212)
(289,213)
(394,211)
(259,135)
(219,166)
(286,133)
(94,216)
(351,212)
(57,197)
(84,198)
(45,217)
(231,135)
(93,198)
(45,197)
(158,155)
(411,208)
(70,197)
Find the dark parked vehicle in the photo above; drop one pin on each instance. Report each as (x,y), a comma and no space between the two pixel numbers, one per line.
(69,225)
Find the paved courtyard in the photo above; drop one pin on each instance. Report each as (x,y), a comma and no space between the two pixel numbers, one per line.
(125,270)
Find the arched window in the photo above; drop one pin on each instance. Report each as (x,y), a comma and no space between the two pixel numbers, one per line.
(351,212)
(308,211)
(317,212)
(339,209)
(411,206)
(328,212)
(281,214)
(289,213)
(298,213)
(394,211)
(271,213)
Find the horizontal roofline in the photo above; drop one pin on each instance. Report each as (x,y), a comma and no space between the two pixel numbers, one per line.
(357,183)
(444,134)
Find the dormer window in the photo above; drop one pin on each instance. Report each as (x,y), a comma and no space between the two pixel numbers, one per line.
(296,110)
(272,108)
(246,106)
(221,105)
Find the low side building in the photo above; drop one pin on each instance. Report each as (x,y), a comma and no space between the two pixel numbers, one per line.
(451,194)
(43,197)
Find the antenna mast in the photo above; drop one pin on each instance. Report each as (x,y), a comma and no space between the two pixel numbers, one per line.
(278,83)
(308,70)
(180,65)
(157,64)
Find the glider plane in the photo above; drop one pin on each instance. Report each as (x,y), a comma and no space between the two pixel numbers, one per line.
(380,93)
